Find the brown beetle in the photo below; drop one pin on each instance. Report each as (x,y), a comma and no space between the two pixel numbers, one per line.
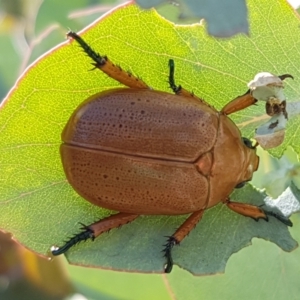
(145,152)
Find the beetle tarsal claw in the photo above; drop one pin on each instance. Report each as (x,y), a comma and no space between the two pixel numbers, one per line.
(83,226)
(279,217)
(284,76)
(258,218)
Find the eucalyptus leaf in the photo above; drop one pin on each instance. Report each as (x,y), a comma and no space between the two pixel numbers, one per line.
(41,209)
(224,18)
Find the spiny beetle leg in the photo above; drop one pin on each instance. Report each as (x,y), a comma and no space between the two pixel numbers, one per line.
(171,242)
(239,103)
(178,89)
(255,212)
(106,66)
(184,229)
(95,229)
(87,233)
(246,210)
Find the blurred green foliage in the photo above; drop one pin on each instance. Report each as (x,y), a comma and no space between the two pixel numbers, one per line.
(29,28)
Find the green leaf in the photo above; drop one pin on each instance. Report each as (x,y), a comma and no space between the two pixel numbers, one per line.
(261,271)
(224,18)
(41,209)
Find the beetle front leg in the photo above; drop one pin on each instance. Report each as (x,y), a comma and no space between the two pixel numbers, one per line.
(239,103)
(246,210)
(106,66)
(95,229)
(255,212)
(242,102)
(179,235)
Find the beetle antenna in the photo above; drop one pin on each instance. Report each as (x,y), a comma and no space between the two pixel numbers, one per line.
(82,236)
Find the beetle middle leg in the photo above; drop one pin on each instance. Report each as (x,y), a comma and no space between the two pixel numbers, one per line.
(95,229)
(106,66)
(179,235)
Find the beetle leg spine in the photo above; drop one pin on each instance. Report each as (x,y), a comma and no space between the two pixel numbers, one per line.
(95,229)
(77,238)
(99,60)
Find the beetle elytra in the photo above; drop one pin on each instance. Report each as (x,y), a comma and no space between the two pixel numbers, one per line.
(145,152)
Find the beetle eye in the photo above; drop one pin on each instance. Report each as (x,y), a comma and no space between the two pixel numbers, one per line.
(240,185)
(248,143)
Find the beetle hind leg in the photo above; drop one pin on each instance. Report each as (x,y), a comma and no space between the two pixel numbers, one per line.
(84,235)
(179,235)
(106,66)
(95,229)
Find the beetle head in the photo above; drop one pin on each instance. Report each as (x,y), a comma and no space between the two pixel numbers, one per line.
(251,161)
